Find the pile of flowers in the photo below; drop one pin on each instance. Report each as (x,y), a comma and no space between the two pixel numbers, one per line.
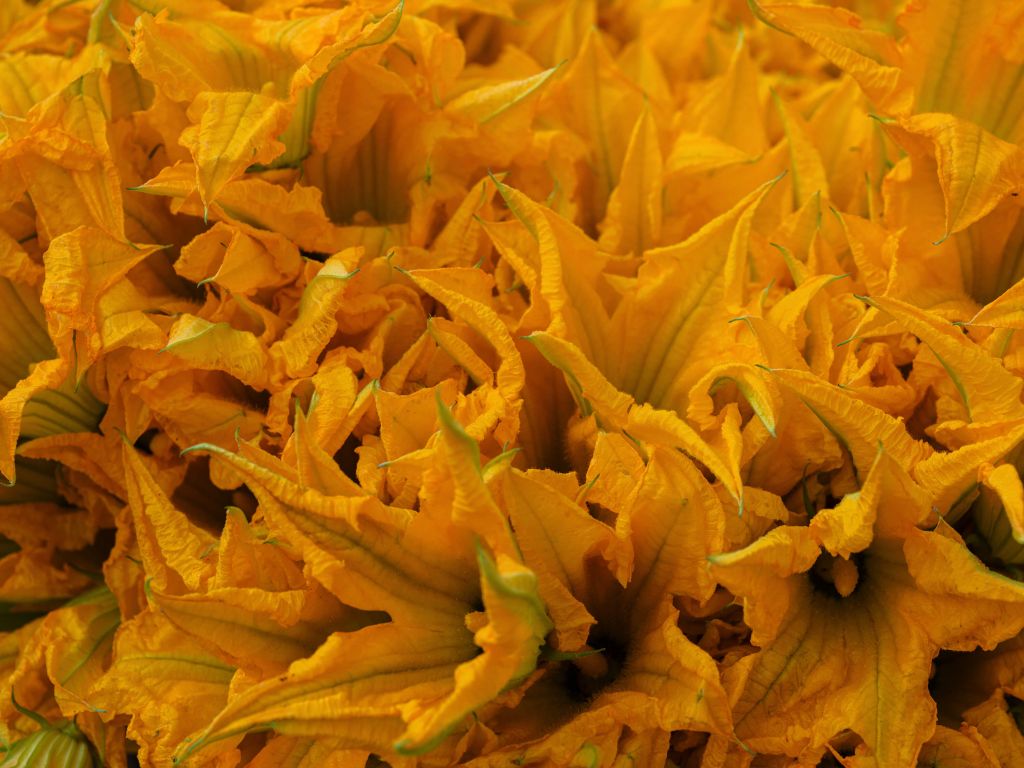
(511,383)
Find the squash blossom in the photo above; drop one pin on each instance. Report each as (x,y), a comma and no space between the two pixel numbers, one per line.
(490,383)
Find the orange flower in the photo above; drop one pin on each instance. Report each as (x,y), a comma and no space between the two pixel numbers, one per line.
(447,382)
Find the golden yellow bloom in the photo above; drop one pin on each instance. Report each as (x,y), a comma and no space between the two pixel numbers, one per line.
(514,383)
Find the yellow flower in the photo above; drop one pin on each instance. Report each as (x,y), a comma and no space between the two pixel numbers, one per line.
(463,626)
(621,676)
(847,634)
(571,383)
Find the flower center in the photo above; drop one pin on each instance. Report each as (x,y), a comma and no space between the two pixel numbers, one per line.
(835,576)
(588,675)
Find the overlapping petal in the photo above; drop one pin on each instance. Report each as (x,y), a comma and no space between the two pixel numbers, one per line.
(443,383)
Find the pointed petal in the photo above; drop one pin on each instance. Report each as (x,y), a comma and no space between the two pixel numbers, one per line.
(297,352)
(857,426)
(989,391)
(762,395)
(154,663)
(593,392)
(232,131)
(208,346)
(957,749)
(889,503)
(473,505)
(351,690)
(258,630)
(808,178)
(510,377)
(1005,311)
(997,726)
(666,429)
(78,646)
(510,640)
(950,477)
(1005,481)
(961,604)
(676,294)
(838,35)
(976,169)
(599,103)
(633,220)
(354,546)
(172,548)
(676,523)
(557,538)
(81,266)
(677,682)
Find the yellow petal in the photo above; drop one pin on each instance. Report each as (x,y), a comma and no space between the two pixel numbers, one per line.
(377,29)
(250,260)
(34,514)
(28,368)
(600,104)
(218,347)
(339,405)
(675,296)
(997,726)
(557,538)
(988,390)
(257,630)
(950,477)
(245,558)
(632,223)
(888,504)
(1005,311)
(501,114)
(763,397)
(728,114)
(154,662)
(672,684)
(296,353)
(352,690)
(81,266)
(35,576)
(613,475)
(676,523)
(976,169)
(880,692)
(962,605)
(65,162)
(448,338)
(29,78)
(78,641)
(290,752)
(232,131)
(295,213)
(316,467)
(473,506)
(947,51)
(354,546)
(187,57)
(858,427)
(957,749)
(588,385)
(694,153)
(510,640)
(665,428)
(509,378)
(870,57)
(808,177)
(173,549)
(1005,481)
